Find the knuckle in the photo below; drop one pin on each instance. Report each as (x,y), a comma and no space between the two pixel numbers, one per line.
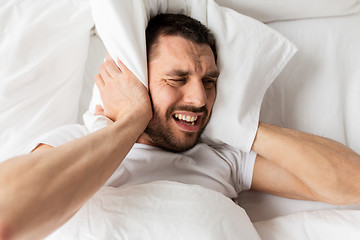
(101,68)
(108,63)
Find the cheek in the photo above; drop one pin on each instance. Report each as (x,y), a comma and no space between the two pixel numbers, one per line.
(211,96)
(163,97)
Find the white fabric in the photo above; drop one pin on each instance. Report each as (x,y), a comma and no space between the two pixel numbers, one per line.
(317,225)
(263,206)
(160,211)
(250,57)
(212,165)
(60,135)
(95,58)
(51,38)
(319,90)
(277,10)
(41,69)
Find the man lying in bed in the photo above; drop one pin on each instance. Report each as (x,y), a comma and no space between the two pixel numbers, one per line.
(42,190)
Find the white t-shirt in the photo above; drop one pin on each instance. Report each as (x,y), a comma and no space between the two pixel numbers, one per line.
(215,166)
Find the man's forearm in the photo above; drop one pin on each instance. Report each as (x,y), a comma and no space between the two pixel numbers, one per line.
(40,191)
(329,169)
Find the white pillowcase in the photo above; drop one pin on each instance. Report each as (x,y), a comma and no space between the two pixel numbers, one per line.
(158,210)
(319,90)
(277,10)
(250,56)
(43,48)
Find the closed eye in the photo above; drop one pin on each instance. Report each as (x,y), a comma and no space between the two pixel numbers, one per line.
(209,83)
(176,81)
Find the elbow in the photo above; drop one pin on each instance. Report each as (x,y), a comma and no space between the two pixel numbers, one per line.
(5,231)
(341,193)
(341,184)
(346,198)
(342,201)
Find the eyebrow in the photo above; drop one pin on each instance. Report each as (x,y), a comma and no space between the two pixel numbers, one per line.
(178,72)
(213,74)
(182,73)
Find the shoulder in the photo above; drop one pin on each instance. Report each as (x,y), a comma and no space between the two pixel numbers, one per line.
(226,150)
(217,144)
(61,135)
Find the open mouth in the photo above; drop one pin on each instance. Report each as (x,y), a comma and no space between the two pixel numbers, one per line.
(188,121)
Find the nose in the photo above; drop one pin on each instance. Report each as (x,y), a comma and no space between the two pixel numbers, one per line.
(195,93)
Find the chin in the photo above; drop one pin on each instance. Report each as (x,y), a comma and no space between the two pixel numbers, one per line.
(178,148)
(174,143)
(169,136)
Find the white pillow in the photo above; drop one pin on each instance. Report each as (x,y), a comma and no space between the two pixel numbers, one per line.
(250,56)
(43,48)
(319,90)
(277,10)
(316,225)
(158,210)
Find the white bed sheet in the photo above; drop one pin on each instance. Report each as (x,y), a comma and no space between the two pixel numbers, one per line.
(43,48)
(313,225)
(318,92)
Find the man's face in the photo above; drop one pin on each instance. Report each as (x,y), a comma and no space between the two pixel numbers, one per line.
(182,84)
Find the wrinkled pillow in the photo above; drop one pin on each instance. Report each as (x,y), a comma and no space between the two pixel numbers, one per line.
(278,10)
(43,48)
(251,55)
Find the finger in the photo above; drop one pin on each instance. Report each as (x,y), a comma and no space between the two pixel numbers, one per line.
(122,65)
(111,67)
(99,81)
(103,72)
(99,110)
(108,56)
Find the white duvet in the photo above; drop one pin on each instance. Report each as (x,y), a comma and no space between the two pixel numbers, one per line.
(158,210)
(170,210)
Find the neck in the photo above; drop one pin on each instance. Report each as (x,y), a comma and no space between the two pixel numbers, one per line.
(145,139)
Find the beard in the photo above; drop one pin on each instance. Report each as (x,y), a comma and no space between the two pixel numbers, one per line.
(163,136)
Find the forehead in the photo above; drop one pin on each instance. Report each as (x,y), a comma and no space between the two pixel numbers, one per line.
(176,51)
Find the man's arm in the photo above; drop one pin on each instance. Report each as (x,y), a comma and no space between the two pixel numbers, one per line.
(42,190)
(304,166)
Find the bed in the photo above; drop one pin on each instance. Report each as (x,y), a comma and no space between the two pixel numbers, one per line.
(50,51)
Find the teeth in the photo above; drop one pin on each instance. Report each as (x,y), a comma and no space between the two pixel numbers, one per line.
(186,118)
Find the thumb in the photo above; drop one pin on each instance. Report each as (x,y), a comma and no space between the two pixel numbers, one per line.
(99,110)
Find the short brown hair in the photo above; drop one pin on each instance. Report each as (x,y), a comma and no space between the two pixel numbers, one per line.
(178,25)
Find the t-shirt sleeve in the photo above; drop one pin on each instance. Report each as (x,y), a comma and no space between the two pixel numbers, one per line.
(246,170)
(61,135)
(242,165)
